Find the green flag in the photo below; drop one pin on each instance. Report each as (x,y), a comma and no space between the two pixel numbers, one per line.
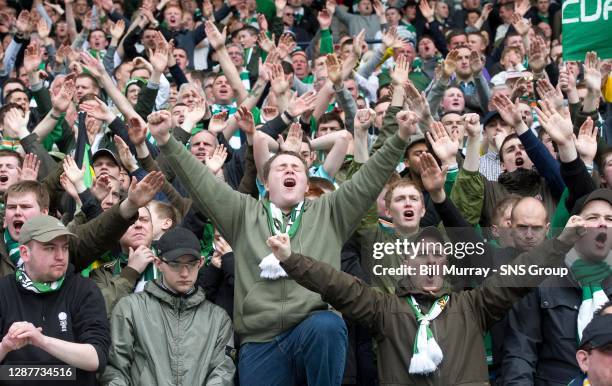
(587,26)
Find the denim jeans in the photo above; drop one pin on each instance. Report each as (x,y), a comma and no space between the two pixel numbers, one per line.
(313,353)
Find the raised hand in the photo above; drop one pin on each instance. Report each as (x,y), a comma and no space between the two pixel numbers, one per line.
(262,22)
(509,111)
(450,64)
(278,83)
(141,193)
(196,113)
(218,122)
(245,120)
(391,39)
(363,120)
(160,124)
(407,122)
(298,106)
(567,80)
(547,92)
(137,130)
(586,142)
(15,123)
(426,10)
(98,110)
(471,122)
(215,38)
(574,230)
(432,176)
(520,24)
(32,57)
(23,23)
(400,72)
(359,43)
(125,155)
(43,29)
(74,174)
(286,45)
(443,145)
(159,59)
(216,160)
(265,43)
(334,69)
(416,101)
(293,143)
(537,58)
(117,29)
(93,65)
(557,125)
(325,19)
(592,74)
(30,168)
(476,63)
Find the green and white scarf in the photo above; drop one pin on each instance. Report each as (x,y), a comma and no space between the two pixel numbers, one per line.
(36,286)
(231,109)
(270,266)
(13,249)
(426,354)
(590,276)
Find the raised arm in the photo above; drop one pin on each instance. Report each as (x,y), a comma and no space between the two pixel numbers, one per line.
(212,197)
(217,42)
(337,144)
(545,164)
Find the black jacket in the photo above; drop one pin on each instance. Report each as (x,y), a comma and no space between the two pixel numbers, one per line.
(542,336)
(74,313)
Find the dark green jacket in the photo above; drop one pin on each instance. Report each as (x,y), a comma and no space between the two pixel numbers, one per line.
(458,329)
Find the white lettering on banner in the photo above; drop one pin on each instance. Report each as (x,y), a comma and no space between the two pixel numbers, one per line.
(605,9)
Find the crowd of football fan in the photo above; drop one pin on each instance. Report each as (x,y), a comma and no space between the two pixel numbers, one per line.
(197,192)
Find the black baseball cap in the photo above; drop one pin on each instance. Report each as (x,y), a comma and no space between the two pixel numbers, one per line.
(598,333)
(598,194)
(178,242)
(489,117)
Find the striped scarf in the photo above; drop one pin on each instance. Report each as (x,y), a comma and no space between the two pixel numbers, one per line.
(12,247)
(37,286)
(590,276)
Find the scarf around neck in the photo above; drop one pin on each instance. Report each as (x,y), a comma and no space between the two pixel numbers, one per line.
(36,286)
(590,276)
(12,248)
(426,354)
(270,266)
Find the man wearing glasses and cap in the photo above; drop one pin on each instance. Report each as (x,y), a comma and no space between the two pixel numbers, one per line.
(50,315)
(171,325)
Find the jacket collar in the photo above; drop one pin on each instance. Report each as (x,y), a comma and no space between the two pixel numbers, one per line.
(175,301)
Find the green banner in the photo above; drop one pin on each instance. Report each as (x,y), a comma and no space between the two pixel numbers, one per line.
(587,26)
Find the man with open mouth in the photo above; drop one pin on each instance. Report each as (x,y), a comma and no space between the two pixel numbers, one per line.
(426,333)
(269,309)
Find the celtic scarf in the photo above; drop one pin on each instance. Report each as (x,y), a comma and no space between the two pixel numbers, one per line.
(426,354)
(36,286)
(149,273)
(270,266)
(12,247)
(590,276)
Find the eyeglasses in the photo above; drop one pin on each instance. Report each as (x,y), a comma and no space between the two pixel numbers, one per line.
(178,267)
